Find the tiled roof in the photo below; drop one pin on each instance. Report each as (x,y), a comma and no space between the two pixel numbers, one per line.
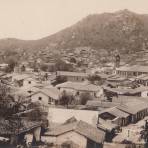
(101,104)
(7,129)
(127,90)
(82,128)
(79,86)
(52,92)
(20,77)
(135,68)
(133,107)
(116,112)
(66,73)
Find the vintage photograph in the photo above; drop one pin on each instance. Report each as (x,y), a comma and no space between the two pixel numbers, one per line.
(73,74)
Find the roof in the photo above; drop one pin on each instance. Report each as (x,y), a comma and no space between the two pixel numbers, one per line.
(82,128)
(52,92)
(79,86)
(19,77)
(26,91)
(135,68)
(101,104)
(106,125)
(126,90)
(133,107)
(75,74)
(116,112)
(142,77)
(7,129)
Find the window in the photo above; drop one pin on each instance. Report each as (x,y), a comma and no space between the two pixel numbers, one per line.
(40,98)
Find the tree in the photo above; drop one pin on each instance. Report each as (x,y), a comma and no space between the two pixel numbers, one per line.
(60,79)
(12,62)
(63,66)
(84,97)
(66,99)
(73,60)
(44,67)
(95,79)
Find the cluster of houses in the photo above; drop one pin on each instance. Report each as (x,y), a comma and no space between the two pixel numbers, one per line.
(119,101)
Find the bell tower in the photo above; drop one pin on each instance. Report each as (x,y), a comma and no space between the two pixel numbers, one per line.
(117,60)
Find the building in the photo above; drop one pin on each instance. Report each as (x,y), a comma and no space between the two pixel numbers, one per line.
(46,95)
(139,91)
(117,60)
(142,79)
(18,79)
(76,88)
(79,132)
(29,82)
(72,76)
(115,116)
(132,71)
(100,105)
(136,109)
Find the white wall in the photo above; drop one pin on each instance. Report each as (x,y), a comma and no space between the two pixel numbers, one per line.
(69,136)
(72,136)
(144,94)
(36,96)
(27,84)
(58,115)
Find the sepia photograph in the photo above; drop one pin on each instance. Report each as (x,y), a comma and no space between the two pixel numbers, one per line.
(73,74)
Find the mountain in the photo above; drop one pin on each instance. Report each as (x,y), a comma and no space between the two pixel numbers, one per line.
(123,30)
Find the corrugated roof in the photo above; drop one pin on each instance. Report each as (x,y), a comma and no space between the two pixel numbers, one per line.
(82,128)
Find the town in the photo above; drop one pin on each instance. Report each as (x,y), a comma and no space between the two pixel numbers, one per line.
(74,74)
(66,104)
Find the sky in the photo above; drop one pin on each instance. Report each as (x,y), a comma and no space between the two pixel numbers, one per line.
(34,19)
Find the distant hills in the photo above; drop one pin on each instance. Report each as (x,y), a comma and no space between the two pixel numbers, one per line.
(123,30)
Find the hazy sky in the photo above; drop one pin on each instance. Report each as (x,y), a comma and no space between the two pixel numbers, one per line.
(33,19)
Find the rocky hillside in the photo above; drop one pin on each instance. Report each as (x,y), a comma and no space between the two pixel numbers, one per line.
(122,30)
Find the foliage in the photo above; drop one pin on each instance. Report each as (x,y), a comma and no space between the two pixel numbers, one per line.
(73,60)
(44,67)
(66,99)
(95,79)
(60,79)
(84,97)
(63,66)
(12,62)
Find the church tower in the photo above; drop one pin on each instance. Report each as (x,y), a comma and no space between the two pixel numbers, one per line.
(117,60)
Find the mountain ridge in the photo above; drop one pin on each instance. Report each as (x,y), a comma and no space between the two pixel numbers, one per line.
(123,30)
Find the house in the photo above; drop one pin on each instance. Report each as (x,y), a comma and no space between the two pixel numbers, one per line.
(3,66)
(72,76)
(77,88)
(115,116)
(142,79)
(79,132)
(60,115)
(136,109)
(18,79)
(139,91)
(132,71)
(46,95)
(16,134)
(29,82)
